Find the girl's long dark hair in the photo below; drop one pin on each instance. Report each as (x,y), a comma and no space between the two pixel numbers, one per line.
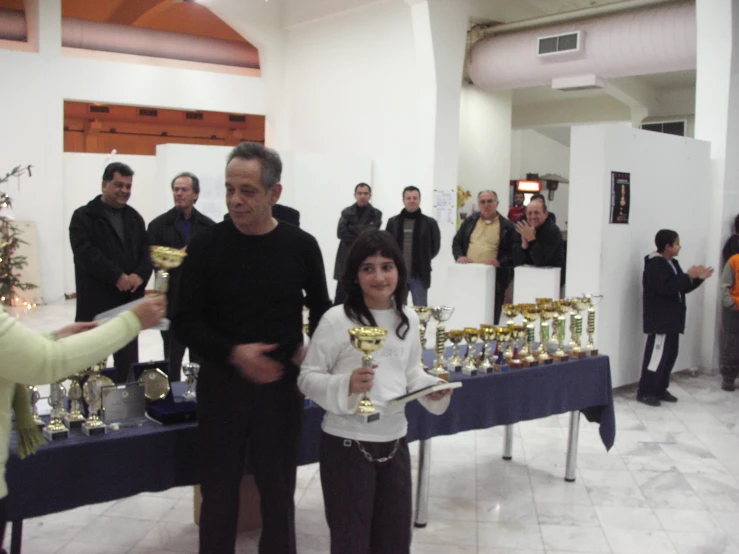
(374,243)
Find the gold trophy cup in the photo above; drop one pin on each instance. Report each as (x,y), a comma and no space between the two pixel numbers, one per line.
(510,311)
(441,314)
(424,315)
(165,259)
(93,395)
(56,429)
(487,334)
(367,340)
(456,361)
(470,335)
(74,417)
(518,332)
(503,338)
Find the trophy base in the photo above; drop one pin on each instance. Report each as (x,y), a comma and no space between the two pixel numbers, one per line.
(468,371)
(439,374)
(515,364)
(370,418)
(94,431)
(578,355)
(563,358)
(73,423)
(530,364)
(497,368)
(547,361)
(189,396)
(594,352)
(55,434)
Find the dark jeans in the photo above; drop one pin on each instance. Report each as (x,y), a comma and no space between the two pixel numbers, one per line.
(729,348)
(654,383)
(418,291)
(270,432)
(368,504)
(123,359)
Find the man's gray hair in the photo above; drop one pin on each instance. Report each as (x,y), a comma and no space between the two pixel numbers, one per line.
(269,161)
(490,191)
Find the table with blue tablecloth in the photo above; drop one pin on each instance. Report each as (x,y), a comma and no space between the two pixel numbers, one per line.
(84,470)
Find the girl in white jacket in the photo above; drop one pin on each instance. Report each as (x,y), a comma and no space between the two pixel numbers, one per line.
(365,467)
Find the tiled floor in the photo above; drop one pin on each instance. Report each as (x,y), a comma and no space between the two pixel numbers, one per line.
(670,485)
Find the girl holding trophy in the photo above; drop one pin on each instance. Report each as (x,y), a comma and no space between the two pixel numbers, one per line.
(364,459)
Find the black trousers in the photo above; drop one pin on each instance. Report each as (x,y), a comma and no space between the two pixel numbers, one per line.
(270,431)
(123,359)
(729,347)
(368,504)
(654,383)
(3,521)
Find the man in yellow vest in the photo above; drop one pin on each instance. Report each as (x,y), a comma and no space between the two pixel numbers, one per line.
(729,348)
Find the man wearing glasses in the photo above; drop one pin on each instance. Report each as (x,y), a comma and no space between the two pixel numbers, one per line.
(486,237)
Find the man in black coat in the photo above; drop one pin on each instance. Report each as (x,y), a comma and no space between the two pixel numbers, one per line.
(420,240)
(541,240)
(111,255)
(354,219)
(664,288)
(175,228)
(486,237)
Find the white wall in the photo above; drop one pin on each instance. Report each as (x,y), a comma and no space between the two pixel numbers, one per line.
(609,259)
(532,152)
(485,143)
(33,122)
(82,181)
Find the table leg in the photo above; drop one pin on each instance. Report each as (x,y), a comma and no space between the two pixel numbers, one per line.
(422,487)
(508,443)
(16,536)
(572,446)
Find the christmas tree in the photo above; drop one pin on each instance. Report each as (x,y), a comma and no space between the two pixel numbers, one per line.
(11,265)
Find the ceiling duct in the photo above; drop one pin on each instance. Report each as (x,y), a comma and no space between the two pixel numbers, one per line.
(659,39)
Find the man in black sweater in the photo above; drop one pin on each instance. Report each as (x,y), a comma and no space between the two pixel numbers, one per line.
(665,286)
(175,228)
(242,291)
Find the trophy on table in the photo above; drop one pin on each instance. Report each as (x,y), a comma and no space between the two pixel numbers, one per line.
(34,396)
(531,314)
(441,314)
(424,315)
(74,418)
(510,311)
(191,372)
(470,335)
(92,392)
(502,348)
(547,332)
(593,300)
(518,332)
(56,429)
(367,340)
(487,334)
(579,304)
(165,259)
(456,361)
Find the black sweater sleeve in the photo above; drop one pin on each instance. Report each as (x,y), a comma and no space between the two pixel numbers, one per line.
(190,322)
(316,291)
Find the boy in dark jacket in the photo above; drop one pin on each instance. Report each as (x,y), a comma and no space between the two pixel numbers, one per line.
(665,286)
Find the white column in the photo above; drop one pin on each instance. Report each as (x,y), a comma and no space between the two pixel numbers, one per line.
(717,121)
(440,34)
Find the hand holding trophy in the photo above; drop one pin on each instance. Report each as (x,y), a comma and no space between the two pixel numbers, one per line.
(367,340)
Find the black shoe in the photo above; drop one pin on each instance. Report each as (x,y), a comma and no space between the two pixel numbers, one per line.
(648,400)
(667,397)
(728,384)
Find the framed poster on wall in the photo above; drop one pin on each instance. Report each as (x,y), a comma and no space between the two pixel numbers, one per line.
(620,197)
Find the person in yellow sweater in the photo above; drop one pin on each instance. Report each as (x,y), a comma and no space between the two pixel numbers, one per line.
(30,358)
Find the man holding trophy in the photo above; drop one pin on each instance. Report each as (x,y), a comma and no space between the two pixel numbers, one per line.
(243,286)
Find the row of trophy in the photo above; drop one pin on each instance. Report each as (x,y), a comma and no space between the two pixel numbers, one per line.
(513,345)
(61,419)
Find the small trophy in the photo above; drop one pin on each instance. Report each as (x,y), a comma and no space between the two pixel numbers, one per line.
(56,428)
(502,338)
(165,259)
(191,372)
(487,334)
(560,355)
(593,300)
(518,332)
(92,393)
(34,396)
(578,305)
(511,311)
(367,340)
(548,313)
(441,314)
(530,355)
(74,418)
(424,315)
(470,335)
(456,361)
